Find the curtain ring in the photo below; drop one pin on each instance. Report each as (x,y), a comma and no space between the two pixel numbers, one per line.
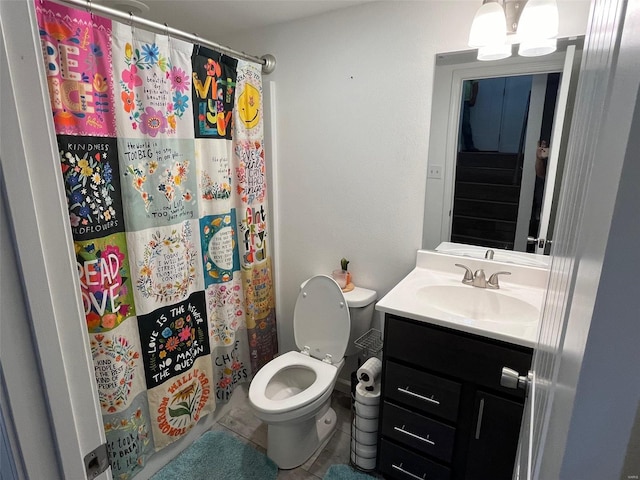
(133,31)
(197,45)
(89,9)
(166,32)
(169,47)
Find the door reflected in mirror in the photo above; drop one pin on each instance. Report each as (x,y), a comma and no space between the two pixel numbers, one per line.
(499,184)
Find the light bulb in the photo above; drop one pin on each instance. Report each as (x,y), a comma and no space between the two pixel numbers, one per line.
(494,52)
(489,26)
(539,20)
(536,48)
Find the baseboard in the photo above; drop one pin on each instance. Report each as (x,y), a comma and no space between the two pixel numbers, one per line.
(343,386)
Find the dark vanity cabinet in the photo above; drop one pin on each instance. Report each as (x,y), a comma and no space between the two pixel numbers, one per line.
(444,414)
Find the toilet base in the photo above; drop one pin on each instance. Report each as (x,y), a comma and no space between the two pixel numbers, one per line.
(289,445)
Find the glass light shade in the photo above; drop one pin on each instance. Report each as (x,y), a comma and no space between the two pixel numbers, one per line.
(538,20)
(489,26)
(536,48)
(494,52)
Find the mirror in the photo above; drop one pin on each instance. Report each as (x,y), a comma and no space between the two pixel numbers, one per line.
(474,156)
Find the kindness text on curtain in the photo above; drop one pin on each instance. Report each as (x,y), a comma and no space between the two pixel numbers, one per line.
(161,150)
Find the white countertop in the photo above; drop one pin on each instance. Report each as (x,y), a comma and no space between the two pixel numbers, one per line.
(499,255)
(526,284)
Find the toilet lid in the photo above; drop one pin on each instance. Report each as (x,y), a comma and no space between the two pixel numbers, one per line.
(321,319)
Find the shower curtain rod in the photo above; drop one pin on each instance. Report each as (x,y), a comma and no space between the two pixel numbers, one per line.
(267,61)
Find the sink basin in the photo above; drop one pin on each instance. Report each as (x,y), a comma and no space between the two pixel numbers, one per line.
(433,293)
(478,303)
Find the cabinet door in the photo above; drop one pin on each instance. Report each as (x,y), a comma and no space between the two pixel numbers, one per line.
(494,438)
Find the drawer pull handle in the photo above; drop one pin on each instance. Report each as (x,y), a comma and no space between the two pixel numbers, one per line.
(479,423)
(421,397)
(413,435)
(406,472)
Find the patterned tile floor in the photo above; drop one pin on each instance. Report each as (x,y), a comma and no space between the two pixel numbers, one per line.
(241,422)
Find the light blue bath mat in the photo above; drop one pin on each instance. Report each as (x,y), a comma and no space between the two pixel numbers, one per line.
(345,472)
(219,456)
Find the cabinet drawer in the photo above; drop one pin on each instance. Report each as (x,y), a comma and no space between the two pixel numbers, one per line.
(397,462)
(467,357)
(421,433)
(420,390)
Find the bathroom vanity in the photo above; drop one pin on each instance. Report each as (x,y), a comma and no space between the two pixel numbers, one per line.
(444,414)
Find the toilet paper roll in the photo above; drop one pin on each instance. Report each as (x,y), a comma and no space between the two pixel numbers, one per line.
(363,463)
(363,451)
(368,397)
(366,411)
(363,438)
(370,371)
(366,424)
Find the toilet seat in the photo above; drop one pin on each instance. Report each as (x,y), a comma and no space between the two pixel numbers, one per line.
(321,320)
(325,377)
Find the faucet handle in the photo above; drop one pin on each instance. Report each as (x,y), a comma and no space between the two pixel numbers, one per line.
(493,280)
(468,274)
(479,274)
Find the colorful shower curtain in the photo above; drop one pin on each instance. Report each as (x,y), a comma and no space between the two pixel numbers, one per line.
(161,150)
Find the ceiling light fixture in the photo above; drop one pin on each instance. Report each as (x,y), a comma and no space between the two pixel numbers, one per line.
(532,23)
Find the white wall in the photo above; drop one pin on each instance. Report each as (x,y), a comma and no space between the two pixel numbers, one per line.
(353,108)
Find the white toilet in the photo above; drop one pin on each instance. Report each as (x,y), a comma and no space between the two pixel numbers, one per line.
(292,393)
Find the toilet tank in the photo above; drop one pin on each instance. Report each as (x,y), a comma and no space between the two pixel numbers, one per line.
(361,303)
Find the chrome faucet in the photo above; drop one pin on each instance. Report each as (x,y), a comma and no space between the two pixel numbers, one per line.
(478,278)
